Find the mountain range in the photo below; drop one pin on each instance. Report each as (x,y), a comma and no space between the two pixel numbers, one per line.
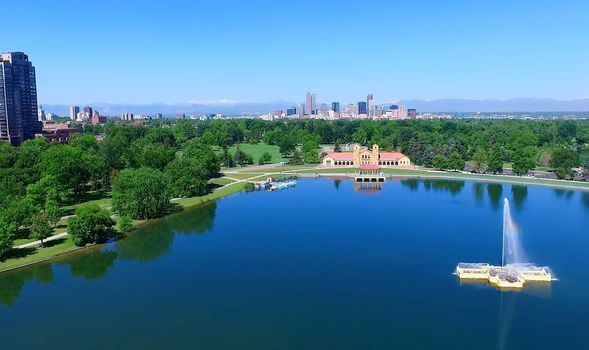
(448,105)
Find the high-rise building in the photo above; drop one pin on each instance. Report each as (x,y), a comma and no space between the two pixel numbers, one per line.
(412,113)
(88,112)
(362,107)
(18,99)
(74,110)
(370,104)
(291,111)
(335,107)
(301,110)
(310,103)
(159,116)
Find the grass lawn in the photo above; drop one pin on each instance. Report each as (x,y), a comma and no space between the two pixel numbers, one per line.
(221,181)
(255,150)
(21,257)
(193,201)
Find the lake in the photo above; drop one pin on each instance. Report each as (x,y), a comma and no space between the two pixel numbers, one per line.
(325,265)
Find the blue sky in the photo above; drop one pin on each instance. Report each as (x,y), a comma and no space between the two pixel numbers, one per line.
(260,50)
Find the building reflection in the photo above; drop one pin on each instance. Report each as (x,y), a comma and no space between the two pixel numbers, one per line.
(367,187)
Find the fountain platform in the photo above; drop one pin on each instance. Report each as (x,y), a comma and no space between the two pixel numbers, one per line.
(513,276)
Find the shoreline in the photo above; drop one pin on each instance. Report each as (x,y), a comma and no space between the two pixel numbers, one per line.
(308,172)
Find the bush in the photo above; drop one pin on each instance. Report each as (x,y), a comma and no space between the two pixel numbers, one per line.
(125,224)
(90,225)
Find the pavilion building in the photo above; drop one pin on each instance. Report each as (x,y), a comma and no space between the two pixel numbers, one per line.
(363,156)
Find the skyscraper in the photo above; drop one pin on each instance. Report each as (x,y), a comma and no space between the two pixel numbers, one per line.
(370,104)
(362,107)
(18,98)
(74,110)
(310,100)
(335,107)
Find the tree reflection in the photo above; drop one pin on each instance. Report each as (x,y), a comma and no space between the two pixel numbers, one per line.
(562,193)
(478,188)
(92,265)
(452,186)
(11,283)
(155,241)
(519,194)
(495,190)
(585,199)
(412,184)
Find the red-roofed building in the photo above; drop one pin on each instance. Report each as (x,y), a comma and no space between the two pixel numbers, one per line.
(363,156)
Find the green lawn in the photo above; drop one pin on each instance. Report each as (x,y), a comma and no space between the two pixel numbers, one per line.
(242,176)
(255,150)
(193,201)
(221,181)
(22,257)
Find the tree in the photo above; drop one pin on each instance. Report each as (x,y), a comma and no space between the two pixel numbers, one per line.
(495,161)
(440,162)
(287,144)
(125,224)
(227,159)
(40,229)
(456,162)
(479,160)
(312,157)
(8,232)
(241,158)
(187,177)
(297,158)
(140,193)
(524,160)
(91,224)
(265,158)
(564,160)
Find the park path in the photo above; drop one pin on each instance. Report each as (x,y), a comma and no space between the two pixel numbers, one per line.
(36,243)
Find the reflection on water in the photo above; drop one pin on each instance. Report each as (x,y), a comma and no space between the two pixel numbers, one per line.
(412,184)
(585,199)
(454,187)
(563,193)
(144,245)
(367,187)
(12,282)
(519,194)
(495,190)
(92,265)
(478,189)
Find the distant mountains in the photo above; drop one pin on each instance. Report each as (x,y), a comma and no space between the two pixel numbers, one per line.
(441,105)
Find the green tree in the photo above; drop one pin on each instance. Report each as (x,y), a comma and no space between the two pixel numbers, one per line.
(479,160)
(564,160)
(140,193)
(524,160)
(287,144)
(8,232)
(312,156)
(297,158)
(187,177)
(495,161)
(456,162)
(40,229)
(265,158)
(241,158)
(91,224)
(440,162)
(125,224)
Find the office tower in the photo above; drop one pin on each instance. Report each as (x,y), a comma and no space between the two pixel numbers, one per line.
(291,111)
(335,107)
(362,107)
(309,103)
(370,104)
(18,99)
(41,114)
(74,110)
(87,113)
(159,116)
(301,110)
(402,111)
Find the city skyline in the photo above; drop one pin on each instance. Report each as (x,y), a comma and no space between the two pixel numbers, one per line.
(429,50)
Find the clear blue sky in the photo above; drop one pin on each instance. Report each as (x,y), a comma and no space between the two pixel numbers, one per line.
(257,50)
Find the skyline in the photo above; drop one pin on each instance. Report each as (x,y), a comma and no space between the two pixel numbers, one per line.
(262,51)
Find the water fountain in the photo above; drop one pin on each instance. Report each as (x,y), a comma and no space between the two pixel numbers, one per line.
(515,270)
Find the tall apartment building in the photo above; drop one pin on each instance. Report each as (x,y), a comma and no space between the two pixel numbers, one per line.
(18,99)
(310,103)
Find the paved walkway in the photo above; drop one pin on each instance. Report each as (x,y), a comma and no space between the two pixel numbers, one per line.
(36,243)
